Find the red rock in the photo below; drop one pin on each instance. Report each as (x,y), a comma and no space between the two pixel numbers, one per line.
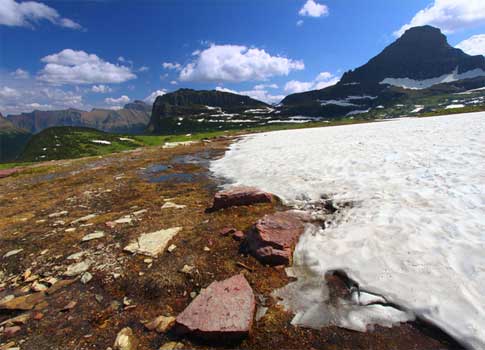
(110,224)
(38,316)
(11,331)
(69,306)
(222,312)
(7,172)
(274,237)
(240,196)
(226,231)
(238,235)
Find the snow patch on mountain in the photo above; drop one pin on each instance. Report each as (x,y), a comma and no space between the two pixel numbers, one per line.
(413,84)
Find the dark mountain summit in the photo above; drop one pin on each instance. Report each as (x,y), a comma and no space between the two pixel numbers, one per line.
(420,53)
(188,110)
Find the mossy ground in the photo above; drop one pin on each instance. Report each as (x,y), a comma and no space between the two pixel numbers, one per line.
(116,185)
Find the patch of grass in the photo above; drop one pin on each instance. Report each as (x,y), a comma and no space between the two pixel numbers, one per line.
(13,165)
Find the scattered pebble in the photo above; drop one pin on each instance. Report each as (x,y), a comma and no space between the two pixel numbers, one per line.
(86,277)
(77,268)
(125,340)
(94,235)
(12,252)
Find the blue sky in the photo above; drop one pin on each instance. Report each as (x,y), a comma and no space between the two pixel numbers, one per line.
(58,54)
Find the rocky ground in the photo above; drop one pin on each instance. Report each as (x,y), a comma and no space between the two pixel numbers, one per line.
(109,252)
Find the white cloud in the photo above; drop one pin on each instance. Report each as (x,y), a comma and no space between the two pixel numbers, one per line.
(299,23)
(234,63)
(25,95)
(151,98)
(78,67)
(101,89)
(117,101)
(28,13)
(174,82)
(265,86)
(474,45)
(173,66)
(20,74)
(449,15)
(323,80)
(7,92)
(313,9)
(143,69)
(258,94)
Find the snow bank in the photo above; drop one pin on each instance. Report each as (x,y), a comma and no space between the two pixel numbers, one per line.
(416,232)
(413,84)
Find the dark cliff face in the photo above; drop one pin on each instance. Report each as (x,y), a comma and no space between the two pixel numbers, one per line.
(189,97)
(420,53)
(191,104)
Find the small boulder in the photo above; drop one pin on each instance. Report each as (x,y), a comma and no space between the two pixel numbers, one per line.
(24,302)
(125,340)
(7,172)
(161,324)
(238,236)
(11,331)
(172,345)
(226,231)
(152,244)
(240,196)
(273,238)
(223,311)
(77,268)
(94,235)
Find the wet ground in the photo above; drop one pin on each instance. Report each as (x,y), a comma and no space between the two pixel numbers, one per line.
(40,210)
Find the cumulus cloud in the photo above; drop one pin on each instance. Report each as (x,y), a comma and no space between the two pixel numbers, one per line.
(143,69)
(151,98)
(20,74)
(172,65)
(29,13)
(449,15)
(322,80)
(79,67)
(258,94)
(299,23)
(234,63)
(117,101)
(313,9)
(25,95)
(474,45)
(101,89)
(265,86)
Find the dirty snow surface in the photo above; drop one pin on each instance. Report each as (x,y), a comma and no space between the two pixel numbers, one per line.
(415,233)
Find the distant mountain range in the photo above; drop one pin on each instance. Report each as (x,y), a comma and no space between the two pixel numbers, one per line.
(132,119)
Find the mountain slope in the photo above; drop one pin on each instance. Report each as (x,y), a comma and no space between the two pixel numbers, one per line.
(133,118)
(197,110)
(419,60)
(12,140)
